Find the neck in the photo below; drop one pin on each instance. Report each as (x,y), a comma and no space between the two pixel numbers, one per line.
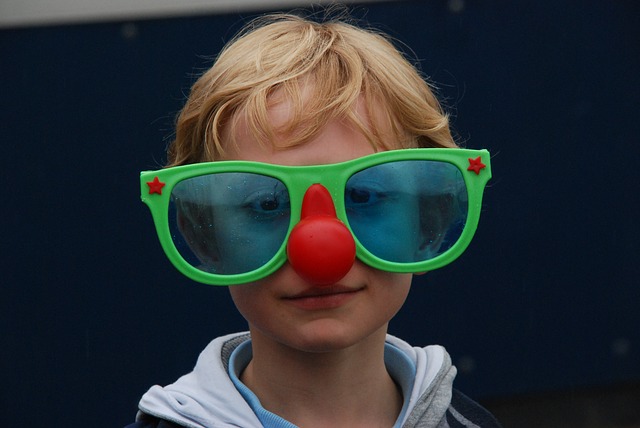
(349,387)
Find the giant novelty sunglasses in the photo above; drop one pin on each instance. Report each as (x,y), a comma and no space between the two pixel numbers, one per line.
(233,222)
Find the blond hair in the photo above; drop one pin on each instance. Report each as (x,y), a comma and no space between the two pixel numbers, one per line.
(284,52)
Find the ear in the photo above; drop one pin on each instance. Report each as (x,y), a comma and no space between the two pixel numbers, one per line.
(203,245)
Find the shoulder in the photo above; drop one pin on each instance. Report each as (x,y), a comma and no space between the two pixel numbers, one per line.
(464,412)
(147,421)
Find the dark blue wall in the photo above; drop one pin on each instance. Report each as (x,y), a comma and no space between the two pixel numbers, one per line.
(546,297)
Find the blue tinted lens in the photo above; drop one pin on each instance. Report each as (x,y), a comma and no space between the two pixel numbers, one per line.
(407,211)
(229,223)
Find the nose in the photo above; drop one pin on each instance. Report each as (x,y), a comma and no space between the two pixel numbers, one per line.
(320,249)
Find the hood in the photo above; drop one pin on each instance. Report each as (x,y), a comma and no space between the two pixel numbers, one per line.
(207,398)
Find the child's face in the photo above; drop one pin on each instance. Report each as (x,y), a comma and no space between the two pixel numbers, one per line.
(292,312)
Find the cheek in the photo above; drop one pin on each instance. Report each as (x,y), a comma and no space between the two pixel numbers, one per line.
(246,244)
(258,302)
(246,298)
(393,289)
(392,233)
(401,287)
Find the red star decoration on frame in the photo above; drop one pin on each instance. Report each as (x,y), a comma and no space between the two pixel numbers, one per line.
(476,165)
(155,186)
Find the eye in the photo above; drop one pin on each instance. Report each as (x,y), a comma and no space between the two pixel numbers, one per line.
(361,196)
(267,203)
(270,204)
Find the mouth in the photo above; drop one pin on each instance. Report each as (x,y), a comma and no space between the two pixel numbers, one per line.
(324,291)
(318,298)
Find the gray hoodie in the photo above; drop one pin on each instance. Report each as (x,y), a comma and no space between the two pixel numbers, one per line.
(211,395)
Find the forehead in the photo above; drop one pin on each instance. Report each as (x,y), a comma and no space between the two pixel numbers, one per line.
(336,141)
(289,122)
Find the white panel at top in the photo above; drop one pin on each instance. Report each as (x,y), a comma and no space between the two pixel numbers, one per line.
(16,13)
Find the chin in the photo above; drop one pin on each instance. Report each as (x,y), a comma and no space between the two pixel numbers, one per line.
(328,336)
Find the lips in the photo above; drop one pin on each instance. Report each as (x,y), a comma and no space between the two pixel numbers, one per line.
(323,291)
(318,298)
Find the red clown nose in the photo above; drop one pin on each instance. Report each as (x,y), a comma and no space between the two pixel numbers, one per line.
(320,249)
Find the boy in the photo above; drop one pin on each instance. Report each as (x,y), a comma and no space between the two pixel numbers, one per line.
(314,173)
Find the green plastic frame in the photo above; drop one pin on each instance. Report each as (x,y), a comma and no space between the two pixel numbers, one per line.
(156,188)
